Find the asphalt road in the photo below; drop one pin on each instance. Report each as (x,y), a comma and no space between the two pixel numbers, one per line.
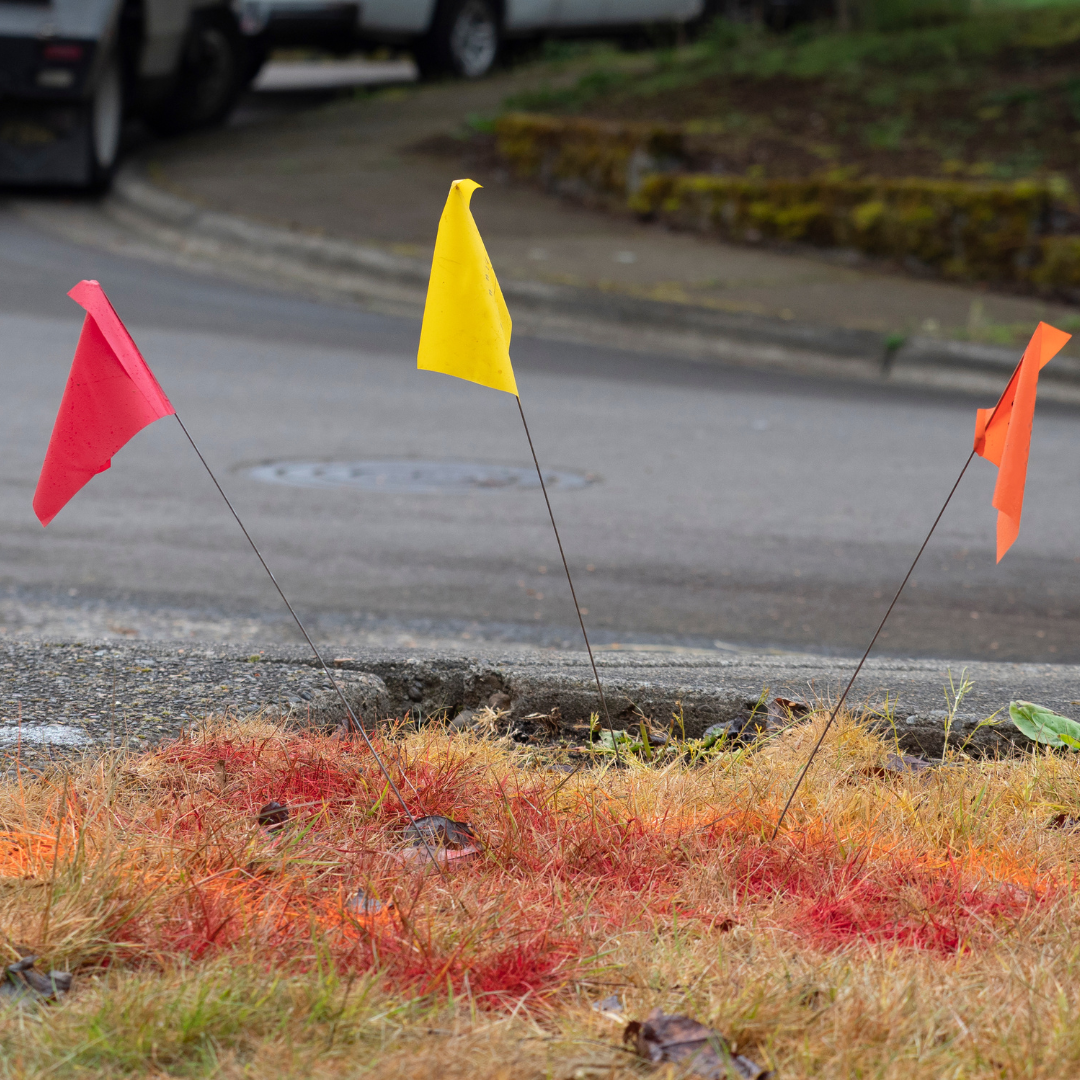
(727,506)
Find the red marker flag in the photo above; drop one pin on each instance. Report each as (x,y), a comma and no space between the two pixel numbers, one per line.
(1003,434)
(110,396)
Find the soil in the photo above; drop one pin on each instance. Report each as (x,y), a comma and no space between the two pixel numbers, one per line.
(1001,121)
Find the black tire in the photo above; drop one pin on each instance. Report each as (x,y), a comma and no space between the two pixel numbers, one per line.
(211,76)
(464,40)
(105,121)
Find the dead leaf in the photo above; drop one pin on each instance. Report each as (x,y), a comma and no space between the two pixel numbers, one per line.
(448,840)
(418,856)
(221,773)
(551,722)
(273,816)
(441,831)
(22,984)
(680,1039)
(897,764)
(783,711)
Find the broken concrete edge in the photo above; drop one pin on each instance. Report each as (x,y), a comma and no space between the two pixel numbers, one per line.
(712,334)
(542,700)
(901,699)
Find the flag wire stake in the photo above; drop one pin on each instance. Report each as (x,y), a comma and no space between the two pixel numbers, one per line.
(354,724)
(881,625)
(570,582)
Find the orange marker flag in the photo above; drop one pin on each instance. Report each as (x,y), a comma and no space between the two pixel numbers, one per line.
(1003,433)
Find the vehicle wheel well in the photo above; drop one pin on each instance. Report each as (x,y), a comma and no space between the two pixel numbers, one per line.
(440,6)
(193,101)
(131,33)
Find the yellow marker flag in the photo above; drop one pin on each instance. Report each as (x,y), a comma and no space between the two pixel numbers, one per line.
(466,329)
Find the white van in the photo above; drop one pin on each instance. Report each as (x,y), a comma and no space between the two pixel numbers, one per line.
(463,37)
(455,37)
(70,70)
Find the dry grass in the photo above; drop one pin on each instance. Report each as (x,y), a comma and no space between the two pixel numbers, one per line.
(908,927)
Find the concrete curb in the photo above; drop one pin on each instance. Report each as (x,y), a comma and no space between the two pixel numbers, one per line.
(367,272)
(162,207)
(55,692)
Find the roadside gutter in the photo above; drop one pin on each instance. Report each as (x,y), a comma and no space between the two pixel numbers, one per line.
(397,285)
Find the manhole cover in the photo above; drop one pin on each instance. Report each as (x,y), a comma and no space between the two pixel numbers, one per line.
(423,477)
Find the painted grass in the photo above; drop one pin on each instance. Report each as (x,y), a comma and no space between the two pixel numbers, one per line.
(919,926)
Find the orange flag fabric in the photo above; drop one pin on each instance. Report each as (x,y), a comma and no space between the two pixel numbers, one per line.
(1003,433)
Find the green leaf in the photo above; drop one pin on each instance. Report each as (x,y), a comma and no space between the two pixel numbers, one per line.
(1069,741)
(609,739)
(1043,726)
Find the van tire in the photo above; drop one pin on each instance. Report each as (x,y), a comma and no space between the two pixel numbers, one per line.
(105,121)
(464,40)
(210,77)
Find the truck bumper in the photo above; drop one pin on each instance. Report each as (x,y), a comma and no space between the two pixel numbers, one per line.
(44,110)
(44,144)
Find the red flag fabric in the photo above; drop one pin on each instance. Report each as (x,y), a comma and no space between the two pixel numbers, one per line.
(1003,434)
(110,396)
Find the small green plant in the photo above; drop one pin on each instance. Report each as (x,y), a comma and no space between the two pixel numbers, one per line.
(646,745)
(607,741)
(758,705)
(991,721)
(594,726)
(888,714)
(1043,726)
(954,696)
(677,718)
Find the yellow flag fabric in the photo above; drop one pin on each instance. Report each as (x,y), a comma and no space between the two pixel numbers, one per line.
(466,329)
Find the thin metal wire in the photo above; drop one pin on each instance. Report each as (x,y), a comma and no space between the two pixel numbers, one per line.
(573,593)
(873,640)
(355,725)
(881,625)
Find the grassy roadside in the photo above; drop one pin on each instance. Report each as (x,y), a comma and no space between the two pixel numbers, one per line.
(994,96)
(905,925)
(947,150)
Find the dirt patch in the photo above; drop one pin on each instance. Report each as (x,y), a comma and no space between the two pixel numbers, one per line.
(995,98)
(785,127)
